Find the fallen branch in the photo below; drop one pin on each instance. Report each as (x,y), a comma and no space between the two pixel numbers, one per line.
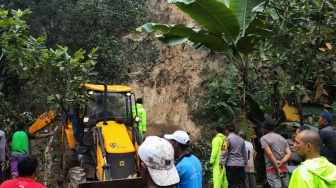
(48,157)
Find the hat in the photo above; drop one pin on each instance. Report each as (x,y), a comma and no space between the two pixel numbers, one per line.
(179,136)
(158,155)
(268,124)
(328,116)
(139,100)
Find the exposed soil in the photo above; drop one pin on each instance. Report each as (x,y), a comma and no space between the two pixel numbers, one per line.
(55,179)
(171,88)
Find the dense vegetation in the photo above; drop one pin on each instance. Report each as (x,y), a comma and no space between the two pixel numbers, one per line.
(281,54)
(62,32)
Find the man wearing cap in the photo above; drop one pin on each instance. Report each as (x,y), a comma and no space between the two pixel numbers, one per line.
(236,158)
(328,136)
(276,153)
(157,167)
(142,122)
(188,166)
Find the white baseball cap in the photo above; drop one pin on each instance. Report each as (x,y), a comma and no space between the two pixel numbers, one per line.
(181,137)
(158,155)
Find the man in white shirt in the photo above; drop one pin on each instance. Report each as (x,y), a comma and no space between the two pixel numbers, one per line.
(250,180)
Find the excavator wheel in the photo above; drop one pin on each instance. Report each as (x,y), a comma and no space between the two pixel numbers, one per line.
(75,176)
(69,158)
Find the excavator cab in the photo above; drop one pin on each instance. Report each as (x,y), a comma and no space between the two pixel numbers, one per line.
(108,140)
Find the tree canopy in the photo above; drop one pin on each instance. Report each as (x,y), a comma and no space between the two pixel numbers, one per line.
(57,36)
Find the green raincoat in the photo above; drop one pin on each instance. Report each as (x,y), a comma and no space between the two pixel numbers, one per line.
(219,176)
(316,173)
(143,119)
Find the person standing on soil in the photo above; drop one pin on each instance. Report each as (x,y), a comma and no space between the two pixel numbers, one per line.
(236,158)
(142,123)
(20,145)
(276,153)
(328,136)
(188,166)
(157,167)
(315,171)
(249,168)
(218,171)
(28,168)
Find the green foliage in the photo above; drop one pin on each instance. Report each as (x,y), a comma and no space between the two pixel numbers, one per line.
(333,109)
(299,32)
(299,51)
(218,104)
(83,24)
(219,20)
(222,24)
(177,34)
(55,72)
(77,25)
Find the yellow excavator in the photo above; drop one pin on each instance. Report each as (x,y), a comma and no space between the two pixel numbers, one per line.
(106,152)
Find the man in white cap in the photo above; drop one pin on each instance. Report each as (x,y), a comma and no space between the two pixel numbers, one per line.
(157,163)
(188,166)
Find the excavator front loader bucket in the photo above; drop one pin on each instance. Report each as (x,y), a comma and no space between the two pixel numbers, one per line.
(121,183)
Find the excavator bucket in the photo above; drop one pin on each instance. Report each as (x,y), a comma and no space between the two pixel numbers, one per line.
(121,183)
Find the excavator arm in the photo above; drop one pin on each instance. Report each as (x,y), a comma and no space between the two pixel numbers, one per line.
(42,121)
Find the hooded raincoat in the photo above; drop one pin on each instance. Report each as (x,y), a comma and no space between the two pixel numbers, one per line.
(143,118)
(317,173)
(219,176)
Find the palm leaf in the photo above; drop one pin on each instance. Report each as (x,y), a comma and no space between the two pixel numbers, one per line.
(255,32)
(213,15)
(241,9)
(177,34)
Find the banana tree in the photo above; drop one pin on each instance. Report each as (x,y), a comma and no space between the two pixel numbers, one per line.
(228,27)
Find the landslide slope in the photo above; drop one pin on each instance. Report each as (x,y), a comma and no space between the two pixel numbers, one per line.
(170,88)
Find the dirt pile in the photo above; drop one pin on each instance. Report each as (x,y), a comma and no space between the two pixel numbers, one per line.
(170,90)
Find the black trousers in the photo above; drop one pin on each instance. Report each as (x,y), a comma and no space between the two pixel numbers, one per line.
(235,176)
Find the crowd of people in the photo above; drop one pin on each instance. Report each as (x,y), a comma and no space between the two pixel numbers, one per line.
(169,162)
(232,158)
(314,151)
(24,166)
